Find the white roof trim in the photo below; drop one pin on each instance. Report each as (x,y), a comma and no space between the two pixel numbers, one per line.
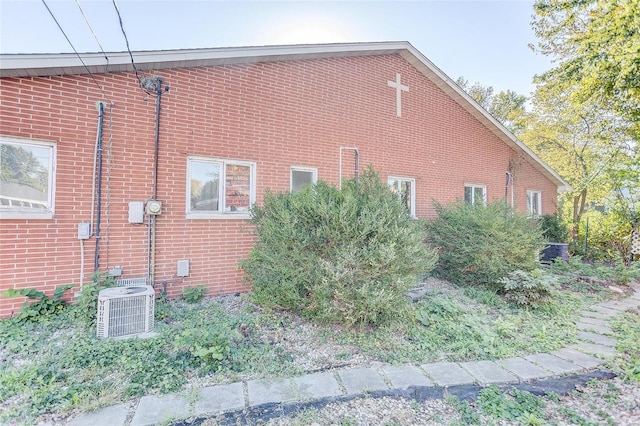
(36,65)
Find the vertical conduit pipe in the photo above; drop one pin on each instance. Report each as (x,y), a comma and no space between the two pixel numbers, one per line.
(357,160)
(100,106)
(152,230)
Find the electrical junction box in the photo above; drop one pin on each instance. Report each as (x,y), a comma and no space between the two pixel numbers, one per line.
(136,212)
(183,268)
(154,207)
(84,230)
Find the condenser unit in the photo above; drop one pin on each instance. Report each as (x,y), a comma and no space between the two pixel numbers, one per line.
(125,311)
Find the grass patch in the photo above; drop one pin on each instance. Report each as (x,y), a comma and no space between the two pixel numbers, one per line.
(627,334)
(57,365)
(471,323)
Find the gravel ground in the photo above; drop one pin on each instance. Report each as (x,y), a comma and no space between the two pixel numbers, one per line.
(605,402)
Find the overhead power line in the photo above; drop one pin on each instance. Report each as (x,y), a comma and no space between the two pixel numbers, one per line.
(93,33)
(133,64)
(74,49)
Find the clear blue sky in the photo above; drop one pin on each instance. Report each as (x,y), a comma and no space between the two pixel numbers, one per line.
(484,41)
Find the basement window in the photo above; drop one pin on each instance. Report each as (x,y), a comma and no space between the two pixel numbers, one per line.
(26,178)
(405,188)
(219,188)
(475,194)
(301,176)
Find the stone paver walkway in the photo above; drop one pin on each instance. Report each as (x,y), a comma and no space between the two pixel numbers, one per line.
(414,381)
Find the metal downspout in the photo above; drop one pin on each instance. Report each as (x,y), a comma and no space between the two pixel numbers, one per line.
(96,261)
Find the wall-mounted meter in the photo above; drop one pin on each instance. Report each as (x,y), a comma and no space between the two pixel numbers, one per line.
(154,207)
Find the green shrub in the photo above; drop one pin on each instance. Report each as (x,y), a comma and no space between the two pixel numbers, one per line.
(344,256)
(609,237)
(554,230)
(43,307)
(481,245)
(86,305)
(193,294)
(532,289)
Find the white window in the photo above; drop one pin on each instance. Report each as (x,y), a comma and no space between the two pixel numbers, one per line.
(219,188)
(301,176)
(27,178)
(406,190)
(475,194)
(534,203)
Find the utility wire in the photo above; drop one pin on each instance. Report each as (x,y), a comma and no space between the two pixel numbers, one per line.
(135,70)
(93,33)
(74,49)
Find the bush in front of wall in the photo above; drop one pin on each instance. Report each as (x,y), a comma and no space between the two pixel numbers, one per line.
(529,289)
(554,229)
(86,305)
(43,306)
(482,244)
(193,294)
(337,255)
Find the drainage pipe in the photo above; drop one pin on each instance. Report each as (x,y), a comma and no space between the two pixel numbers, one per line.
(357,160)
(98,185)
(506,188)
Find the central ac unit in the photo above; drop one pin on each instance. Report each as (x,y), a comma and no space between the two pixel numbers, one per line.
(125,311)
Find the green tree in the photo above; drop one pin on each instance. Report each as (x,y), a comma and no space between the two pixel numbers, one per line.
(582,142)
(508,107)
(596,45)
(585,110)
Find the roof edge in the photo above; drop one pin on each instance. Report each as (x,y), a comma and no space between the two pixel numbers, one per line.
(51,64)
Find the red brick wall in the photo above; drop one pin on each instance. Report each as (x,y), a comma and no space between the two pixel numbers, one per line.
(275,114)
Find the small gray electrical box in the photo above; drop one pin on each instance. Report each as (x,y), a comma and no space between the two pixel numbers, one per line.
(136,212)
(84,230)
(183,268)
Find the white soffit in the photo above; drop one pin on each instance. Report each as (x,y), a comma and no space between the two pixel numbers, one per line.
(38,65)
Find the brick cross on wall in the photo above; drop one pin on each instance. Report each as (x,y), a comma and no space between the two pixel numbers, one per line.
(399,89)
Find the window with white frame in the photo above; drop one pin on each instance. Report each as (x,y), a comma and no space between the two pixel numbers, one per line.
(27,178)
(301,176)
(534,203)
(219,188)
(475,194)
(405,188)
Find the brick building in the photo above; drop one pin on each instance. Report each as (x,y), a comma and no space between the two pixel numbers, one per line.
(206,132)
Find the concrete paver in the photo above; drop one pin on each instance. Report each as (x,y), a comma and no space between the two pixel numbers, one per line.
(487,372)
(155,409)
(553,363)
(110,416)
(601,329)
(594,314)
(402,377)
(621,305)
(358,380)
(599,339)
(523,369)
(580,358)
(317,385)
(448,374)
(606,311)
(595,321)
(220,398)
(592,348)
(270,390)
